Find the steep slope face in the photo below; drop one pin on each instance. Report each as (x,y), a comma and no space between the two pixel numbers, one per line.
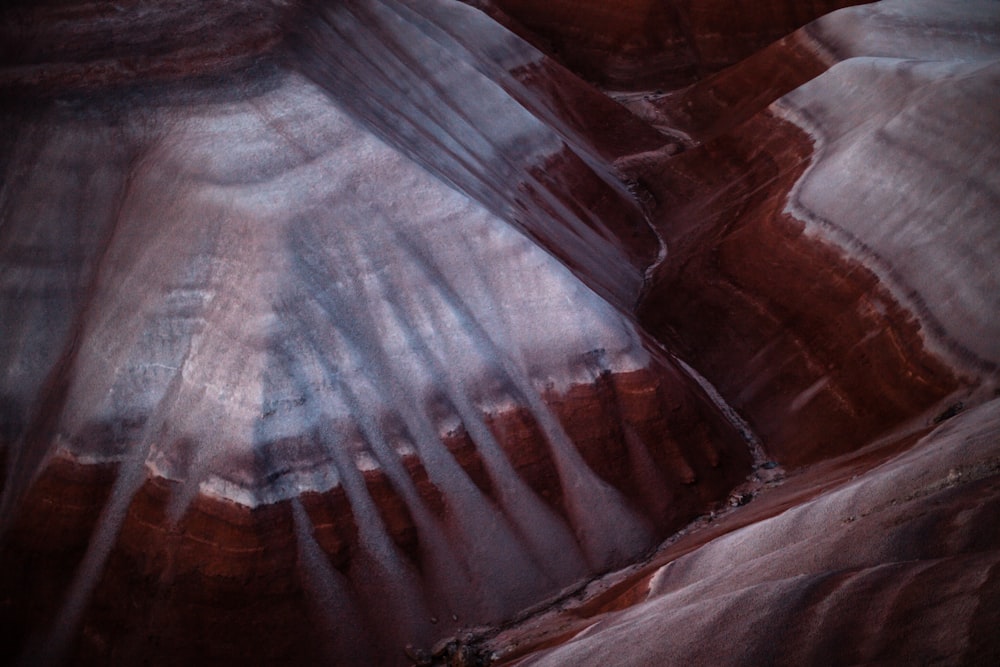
(361,323)
(830,265)
(275,348)
(456,93)
(799,241)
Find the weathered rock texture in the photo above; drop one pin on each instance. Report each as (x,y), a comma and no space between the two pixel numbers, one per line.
(834,211)
(336,327)
(896,565)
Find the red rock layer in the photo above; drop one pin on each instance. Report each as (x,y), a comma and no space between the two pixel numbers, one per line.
(726,99)
(847,563)
(229,584)
(800,338)
(642,44)
(81,45)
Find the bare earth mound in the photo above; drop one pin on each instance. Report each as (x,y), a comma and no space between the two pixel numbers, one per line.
(390,332)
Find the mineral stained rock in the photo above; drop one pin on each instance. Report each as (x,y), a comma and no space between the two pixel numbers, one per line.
(370,331)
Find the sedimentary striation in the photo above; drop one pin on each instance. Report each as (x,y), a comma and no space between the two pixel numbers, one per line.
(362,332)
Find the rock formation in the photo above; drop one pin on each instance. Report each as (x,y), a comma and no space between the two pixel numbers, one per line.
(371,331)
